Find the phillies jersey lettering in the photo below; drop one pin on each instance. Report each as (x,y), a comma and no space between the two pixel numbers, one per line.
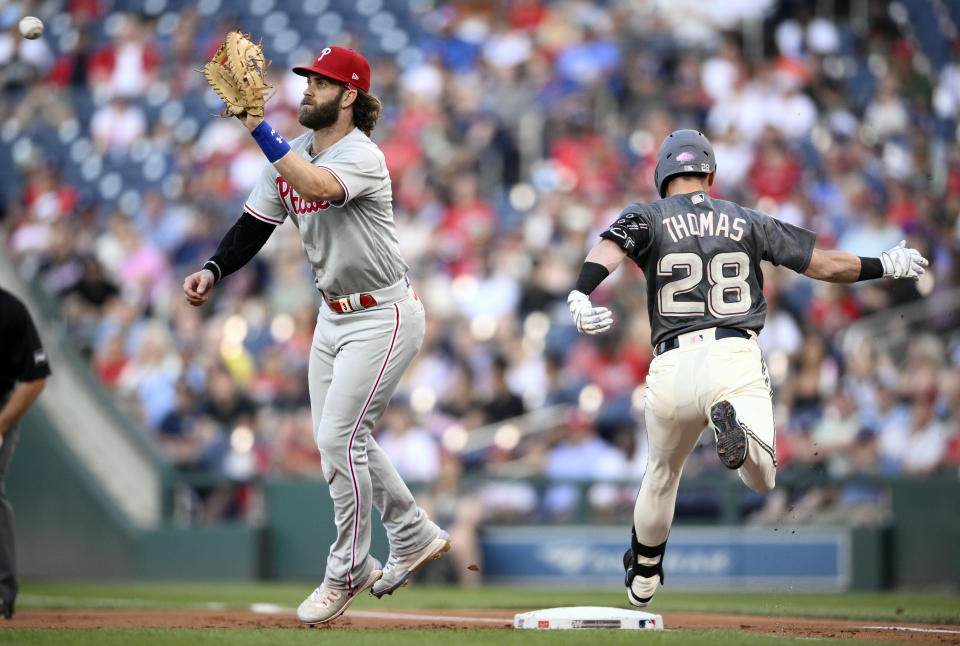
(293,202)
(701,258)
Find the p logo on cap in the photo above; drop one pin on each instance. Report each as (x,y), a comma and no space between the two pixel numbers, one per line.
(340,64)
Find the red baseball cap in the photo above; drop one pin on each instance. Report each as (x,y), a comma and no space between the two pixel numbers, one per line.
(340,64)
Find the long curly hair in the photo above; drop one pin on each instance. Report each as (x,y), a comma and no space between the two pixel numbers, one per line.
(367,110)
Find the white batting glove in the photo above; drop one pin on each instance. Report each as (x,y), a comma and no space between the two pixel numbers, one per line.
(903,262)
(589,319)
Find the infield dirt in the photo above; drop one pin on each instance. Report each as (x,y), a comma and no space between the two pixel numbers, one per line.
(463,619)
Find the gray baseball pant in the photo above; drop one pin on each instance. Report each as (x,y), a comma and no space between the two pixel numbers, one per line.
(356,362)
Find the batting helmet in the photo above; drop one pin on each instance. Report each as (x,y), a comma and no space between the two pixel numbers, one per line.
(683,152)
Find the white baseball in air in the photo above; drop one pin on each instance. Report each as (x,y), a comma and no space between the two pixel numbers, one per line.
(31,27)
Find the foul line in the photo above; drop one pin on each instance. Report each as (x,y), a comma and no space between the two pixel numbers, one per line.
(910,629)
(269,608)
(401,615)
(66,602)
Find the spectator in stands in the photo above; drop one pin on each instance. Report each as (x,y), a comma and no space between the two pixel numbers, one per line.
(225,402)
(93,290)
(835,436)
(127,65)
(71,67)
(145,269)
(63,266)
(86,301)
(813,377)
(152,375)
(161,222)
(887,115)
(117,124)
(579,455)
(46,195)
(411,448)
(503,403)
(775,170)
(110,360)
(181,434)
(780,334)
(919,447)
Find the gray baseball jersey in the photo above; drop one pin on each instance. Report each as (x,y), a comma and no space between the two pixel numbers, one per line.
(352,246)
(701,257)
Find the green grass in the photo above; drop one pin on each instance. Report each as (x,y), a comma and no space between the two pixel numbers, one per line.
(904,607)
(879,607)
(393,637)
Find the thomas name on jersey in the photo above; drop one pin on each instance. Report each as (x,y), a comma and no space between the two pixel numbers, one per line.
(706,223)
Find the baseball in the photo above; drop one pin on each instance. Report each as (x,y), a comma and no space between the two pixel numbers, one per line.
(31,27)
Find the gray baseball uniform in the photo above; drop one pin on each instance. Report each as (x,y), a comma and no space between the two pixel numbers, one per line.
(701,257)
(368,331)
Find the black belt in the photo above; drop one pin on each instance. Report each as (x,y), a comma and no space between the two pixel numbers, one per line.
(720,333)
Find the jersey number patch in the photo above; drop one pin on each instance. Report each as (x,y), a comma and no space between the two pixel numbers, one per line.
(721,284)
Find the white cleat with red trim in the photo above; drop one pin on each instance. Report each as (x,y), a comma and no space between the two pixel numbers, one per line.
(326,604)
(399,569)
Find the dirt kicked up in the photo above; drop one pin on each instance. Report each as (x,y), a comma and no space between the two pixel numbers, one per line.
(463,619)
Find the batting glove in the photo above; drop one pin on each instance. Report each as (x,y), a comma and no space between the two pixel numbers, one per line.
(903,262)
(588,319)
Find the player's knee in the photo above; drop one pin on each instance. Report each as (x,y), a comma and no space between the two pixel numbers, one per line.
(327,443)
(333,434)
(762,479)
(766,483)
(661,477)
(333,447)
(768,474)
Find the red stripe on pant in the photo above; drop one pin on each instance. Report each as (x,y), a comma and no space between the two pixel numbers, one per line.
(353,473)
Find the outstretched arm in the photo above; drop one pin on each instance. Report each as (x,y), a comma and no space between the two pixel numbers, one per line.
(834,266)
(842,267)
(602,260)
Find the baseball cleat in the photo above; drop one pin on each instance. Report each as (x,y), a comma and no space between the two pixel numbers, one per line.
(399,569)
(732,445)
(326,604)
(640,589)
(640,592)
(642,578)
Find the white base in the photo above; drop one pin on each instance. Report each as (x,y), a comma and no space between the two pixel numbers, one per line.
(578,617)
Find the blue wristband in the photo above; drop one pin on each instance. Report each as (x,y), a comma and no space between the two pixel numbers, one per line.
(271,143)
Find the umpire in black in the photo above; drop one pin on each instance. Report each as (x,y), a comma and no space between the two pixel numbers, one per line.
(23,374)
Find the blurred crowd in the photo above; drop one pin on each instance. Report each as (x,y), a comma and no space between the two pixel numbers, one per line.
(514,132)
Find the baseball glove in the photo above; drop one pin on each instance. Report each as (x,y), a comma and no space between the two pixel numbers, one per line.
(238,75)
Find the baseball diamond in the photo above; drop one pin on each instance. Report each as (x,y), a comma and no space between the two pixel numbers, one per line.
(483,615)
(452,321)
